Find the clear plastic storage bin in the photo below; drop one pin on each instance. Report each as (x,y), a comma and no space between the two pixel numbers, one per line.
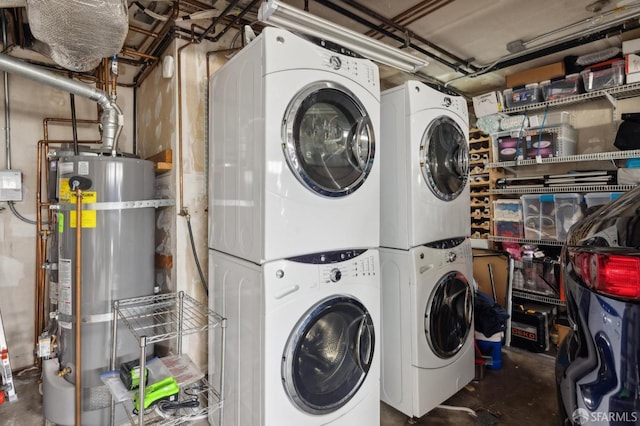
(529,94)
(602,77)
(561,88)
(559,141)
(549,216)
(507,218)
(595,199)
(552,119)
(568,212)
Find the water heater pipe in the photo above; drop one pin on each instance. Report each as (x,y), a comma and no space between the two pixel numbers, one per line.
(78,309)
(112,118)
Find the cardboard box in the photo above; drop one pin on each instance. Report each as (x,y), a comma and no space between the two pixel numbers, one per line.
(631,46)
(536,75)
(487,104)
(632,63)
(633,78)
(499,262)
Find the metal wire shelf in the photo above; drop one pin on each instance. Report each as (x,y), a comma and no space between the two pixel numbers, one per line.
(209,401)
(162,317)
(537,297)
(596,156)
(165,316)
(501,239)
(561,188)
(618,92)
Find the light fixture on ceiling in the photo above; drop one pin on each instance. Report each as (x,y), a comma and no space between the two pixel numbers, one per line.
(597,6)
(290,18)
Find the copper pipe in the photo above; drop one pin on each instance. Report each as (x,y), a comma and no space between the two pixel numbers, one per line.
(114,79)
(144,73)
(78,307)
(46,121)
(39,299)
(105,75)
(214,52)
(41,249)
(128,51)
(142,31)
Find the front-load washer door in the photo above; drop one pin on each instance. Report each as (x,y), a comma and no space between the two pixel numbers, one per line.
(444,158)
(448,315)
(329,142)
(328,355)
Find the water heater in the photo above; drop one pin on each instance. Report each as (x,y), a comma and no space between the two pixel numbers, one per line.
(117,261)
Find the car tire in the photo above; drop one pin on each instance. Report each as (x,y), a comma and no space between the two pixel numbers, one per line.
(563,418)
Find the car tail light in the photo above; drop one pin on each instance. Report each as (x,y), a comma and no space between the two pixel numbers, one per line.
(610,274)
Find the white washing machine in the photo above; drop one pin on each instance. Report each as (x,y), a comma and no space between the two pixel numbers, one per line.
(424,166)
(303,339)
(293,149)
(427,324)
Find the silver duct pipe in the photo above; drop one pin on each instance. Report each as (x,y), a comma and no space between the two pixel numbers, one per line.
(112,119)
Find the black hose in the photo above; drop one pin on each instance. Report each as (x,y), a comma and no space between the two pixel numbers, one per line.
(195,256)
(74,124)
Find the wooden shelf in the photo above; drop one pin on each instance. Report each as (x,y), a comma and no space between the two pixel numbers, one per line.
(163,161)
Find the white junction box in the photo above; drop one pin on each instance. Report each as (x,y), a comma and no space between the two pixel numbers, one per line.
(10,185)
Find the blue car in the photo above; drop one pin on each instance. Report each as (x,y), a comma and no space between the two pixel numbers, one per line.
(598,363)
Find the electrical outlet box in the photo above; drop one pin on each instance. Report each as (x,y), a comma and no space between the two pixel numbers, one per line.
(10,185)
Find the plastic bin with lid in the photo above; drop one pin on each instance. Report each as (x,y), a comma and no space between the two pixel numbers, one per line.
(595,199)
(551,119)
(538,211)
(519,96)
(603,75)
(568,211)
(546,142)
(549,216)
(570,85)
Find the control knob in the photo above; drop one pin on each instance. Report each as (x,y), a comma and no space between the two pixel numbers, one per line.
(335,275)
(451,257)
(335,62)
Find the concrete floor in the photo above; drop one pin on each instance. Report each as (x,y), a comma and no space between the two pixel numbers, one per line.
(521,393)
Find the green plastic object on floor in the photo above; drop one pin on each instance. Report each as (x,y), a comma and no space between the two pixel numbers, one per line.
(165,389)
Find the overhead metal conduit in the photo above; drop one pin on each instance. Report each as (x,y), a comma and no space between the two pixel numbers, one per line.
(112,118)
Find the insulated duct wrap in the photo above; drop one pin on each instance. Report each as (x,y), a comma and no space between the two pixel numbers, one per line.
(78,34)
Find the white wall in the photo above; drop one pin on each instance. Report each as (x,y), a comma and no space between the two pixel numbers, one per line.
(29,104)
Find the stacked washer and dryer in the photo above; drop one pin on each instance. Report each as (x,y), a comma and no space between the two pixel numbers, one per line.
(294,208)
(426,260)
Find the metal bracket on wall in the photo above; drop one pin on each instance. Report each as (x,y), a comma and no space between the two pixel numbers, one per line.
(614,106)
(118,205)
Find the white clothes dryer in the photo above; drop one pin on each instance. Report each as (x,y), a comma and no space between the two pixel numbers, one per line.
(303,340)
(293,147)
(424,166)
(427,324)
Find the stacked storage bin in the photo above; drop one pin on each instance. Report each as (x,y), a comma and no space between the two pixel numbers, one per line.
(549,216)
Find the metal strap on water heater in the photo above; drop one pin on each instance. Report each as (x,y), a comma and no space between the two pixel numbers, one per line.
(118,205)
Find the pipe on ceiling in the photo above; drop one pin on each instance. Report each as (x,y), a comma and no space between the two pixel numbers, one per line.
(405,42)
(394,25)
(112,119)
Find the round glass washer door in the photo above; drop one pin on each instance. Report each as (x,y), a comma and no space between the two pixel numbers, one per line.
(329,142)
(447,318)
(328,355)
(444,158)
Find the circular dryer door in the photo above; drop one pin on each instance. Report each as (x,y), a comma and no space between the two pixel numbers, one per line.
(329,141)
(328,355)
(444,158)
(447,319)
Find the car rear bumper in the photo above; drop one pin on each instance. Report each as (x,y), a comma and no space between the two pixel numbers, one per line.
(598,363)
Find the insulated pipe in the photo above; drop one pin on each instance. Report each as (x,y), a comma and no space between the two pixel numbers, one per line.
(112,120)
